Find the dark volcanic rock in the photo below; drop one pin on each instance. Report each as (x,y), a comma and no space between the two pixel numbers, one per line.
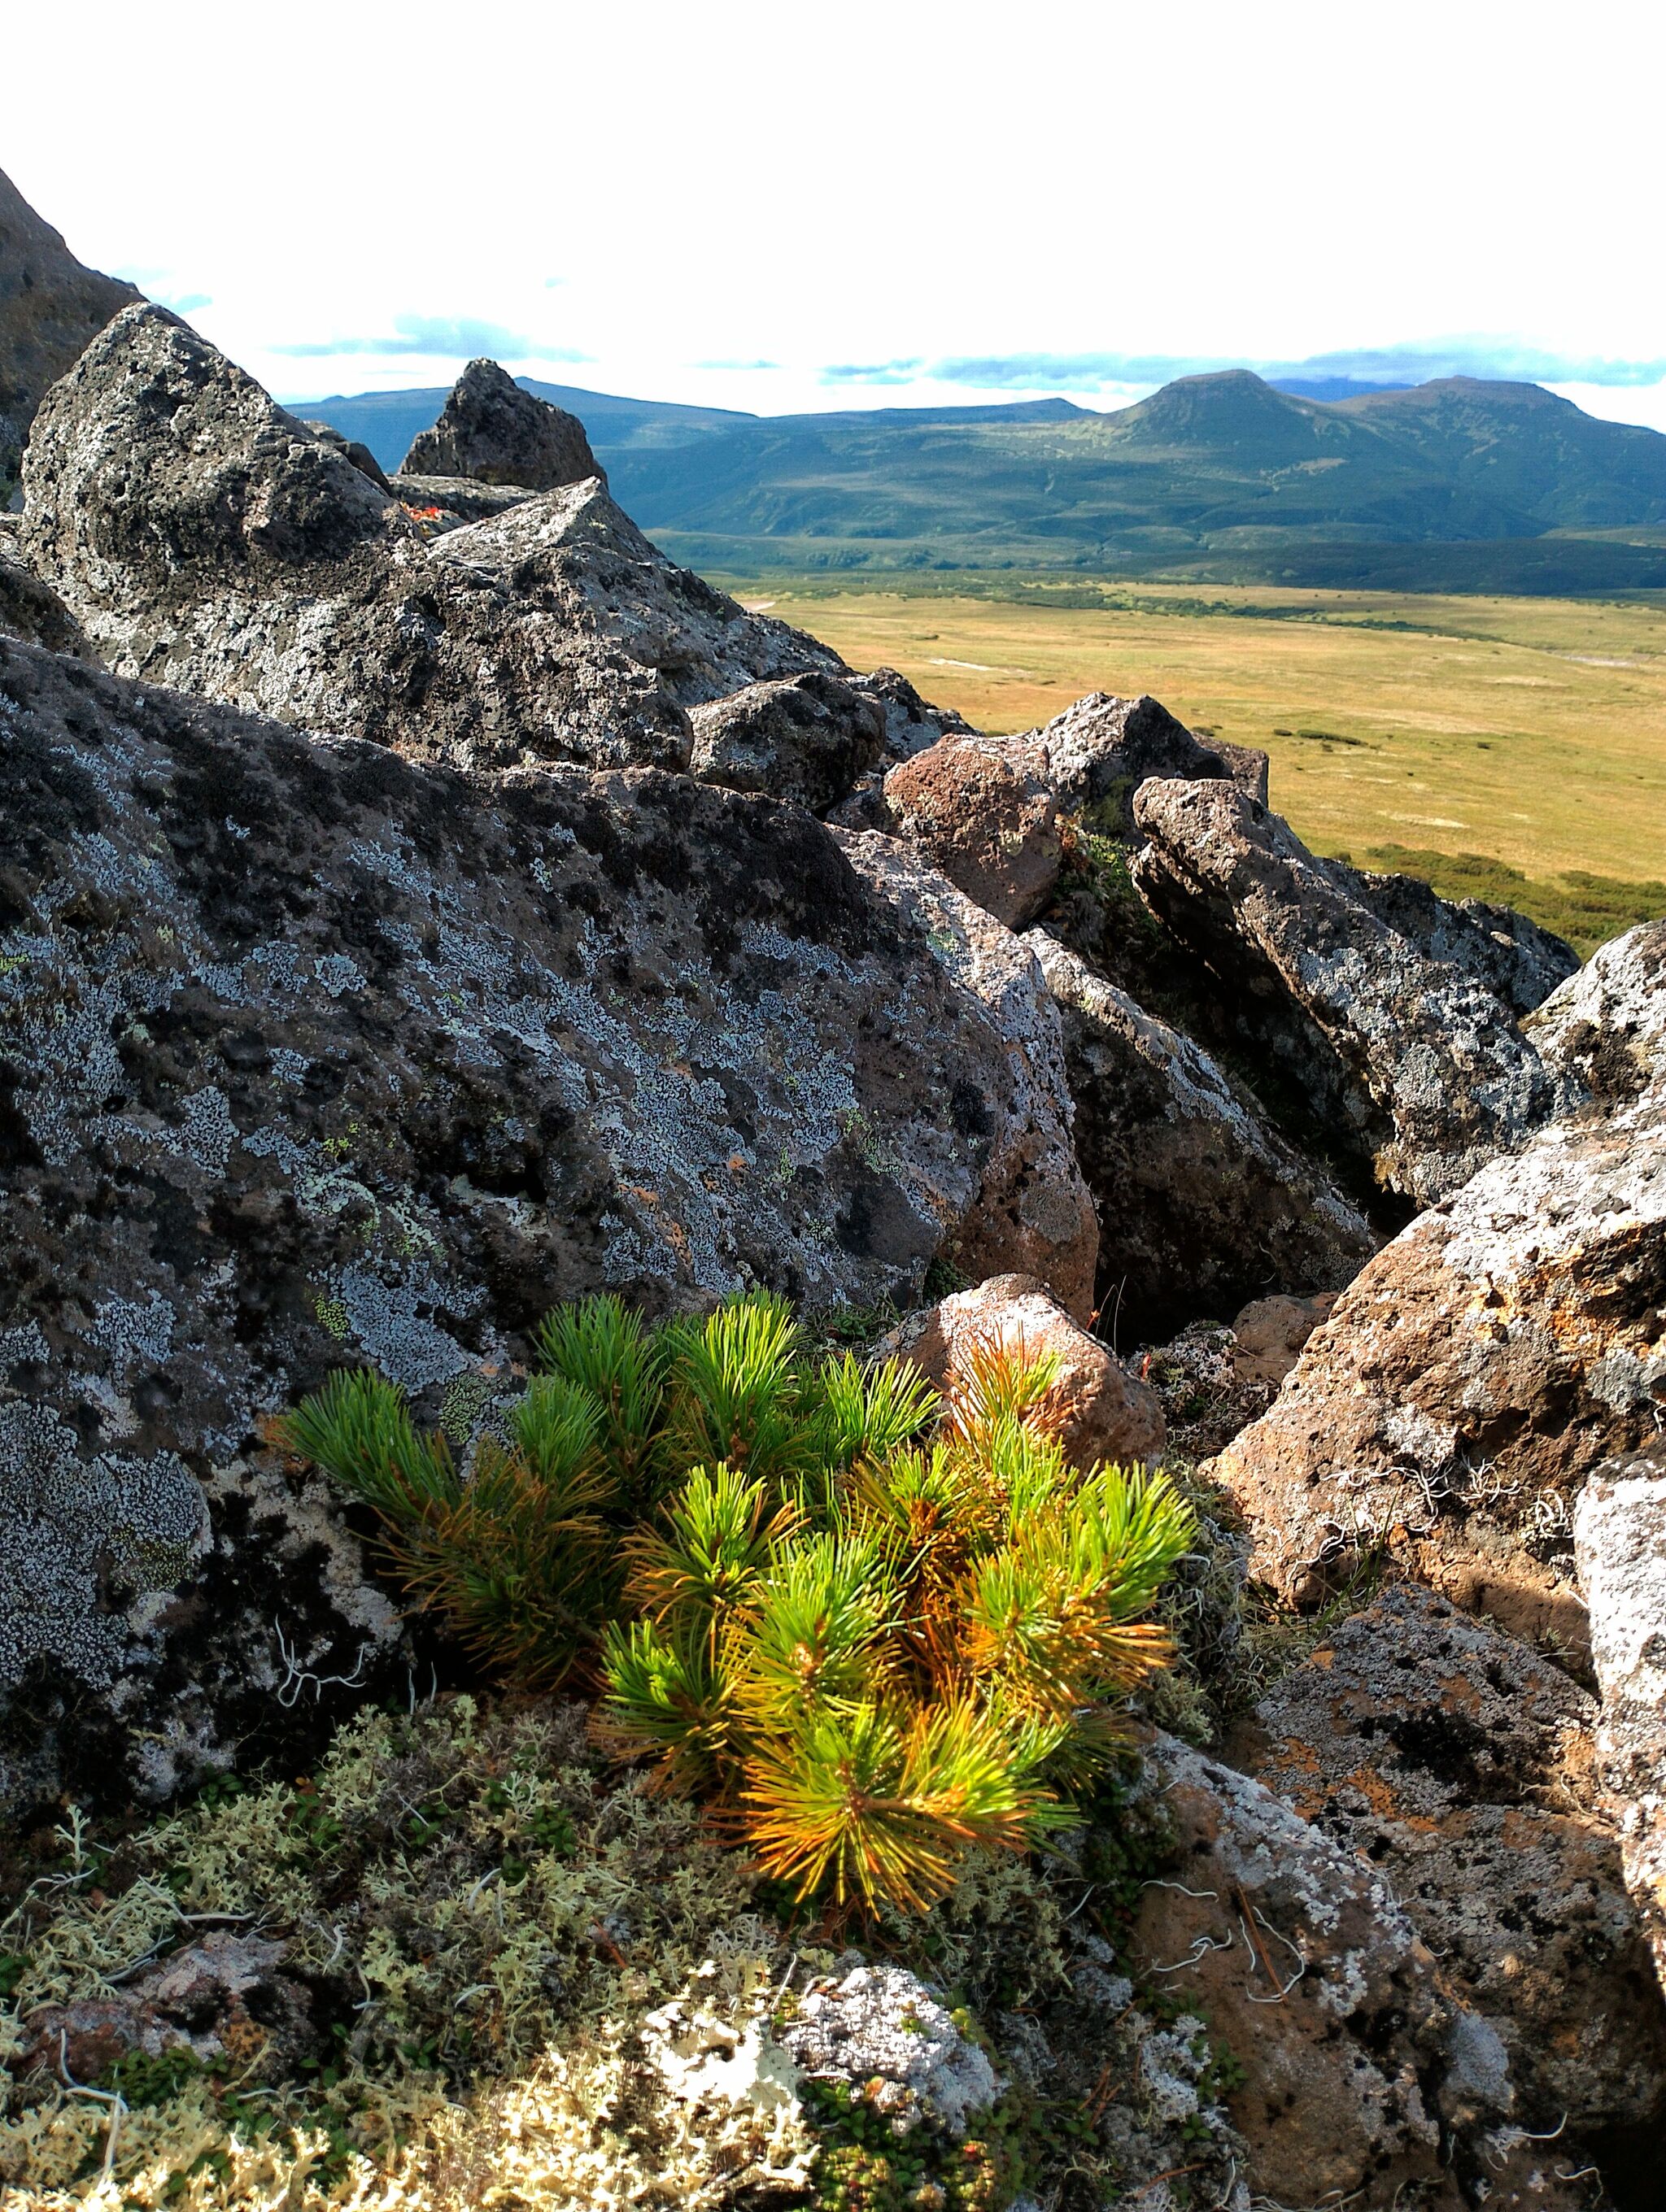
(1201,1204)
(1604,1031)
(804,738)
(312,1056)
(1102,749)
(1406,1044)
(491,430)
(350,448)
(51,309)
(206,539)
(33,611)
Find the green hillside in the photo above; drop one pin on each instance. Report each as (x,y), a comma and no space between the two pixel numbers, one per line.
(1455,485)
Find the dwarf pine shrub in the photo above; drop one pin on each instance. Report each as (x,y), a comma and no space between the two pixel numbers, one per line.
(869,1633)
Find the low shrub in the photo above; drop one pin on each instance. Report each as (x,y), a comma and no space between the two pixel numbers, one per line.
(867,1648)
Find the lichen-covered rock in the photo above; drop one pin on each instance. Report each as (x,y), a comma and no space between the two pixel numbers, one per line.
(1034,1213)
(1201,1204)
(33,611)
(1458,1763)
(315,1055)
(492,431)
(354,450)
(1470,1377)
(1506,951)
(51,306)
(983,810)
(805,739)
(1360,2069)
(1605,1029)
(1103,1413)
(881,2031)
(207,540)
(1620,1538)
(1412,1056)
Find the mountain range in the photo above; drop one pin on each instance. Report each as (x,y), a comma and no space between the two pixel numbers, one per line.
(1460,484)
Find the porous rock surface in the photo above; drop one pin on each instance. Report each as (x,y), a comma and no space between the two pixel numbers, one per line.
(491,431)
(1365,2073)
(1202,1203)
(805,739)
(1620,1539)
(207,540)
(316,1055)
(1471,1376)
(1603,1031)
(33,611)
(1103,1411)
(1269,1335)
(51,306)
(1407,1044)
(890,2040)
(1458,1763)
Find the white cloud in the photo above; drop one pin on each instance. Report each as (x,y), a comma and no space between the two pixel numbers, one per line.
(869,180)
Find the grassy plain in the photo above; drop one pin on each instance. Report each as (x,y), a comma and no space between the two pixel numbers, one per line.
(1507,748)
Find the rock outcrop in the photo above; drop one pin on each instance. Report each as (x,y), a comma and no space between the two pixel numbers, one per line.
(1100,1410)
(1457,1763)
(1603,1031)
(1413,1055)
(32,613)
(207,540)
(1470,1377)
(491,431)
(1102,749)
(315,1055)
(1201,1204)
(805,739)
(50,308)
(1620,1539)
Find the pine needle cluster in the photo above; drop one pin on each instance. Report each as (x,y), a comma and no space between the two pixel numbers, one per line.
(868,1631)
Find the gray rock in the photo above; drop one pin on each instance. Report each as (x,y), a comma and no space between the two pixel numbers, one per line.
(1201,1204)
(1620,1538)
(1458,1762)
(352,450)
(33,611)
(492,431)
(805,739)
(1471,1376)
(441,503)
(50,308)
(1603,1032)
(1102,749)
(206,539)
(886,2035)
(315,1055)
(1416,1061)
(1517,960)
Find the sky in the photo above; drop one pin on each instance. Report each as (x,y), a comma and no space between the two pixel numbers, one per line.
(824,203)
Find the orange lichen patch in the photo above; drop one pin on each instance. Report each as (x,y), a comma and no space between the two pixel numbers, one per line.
(738,1163)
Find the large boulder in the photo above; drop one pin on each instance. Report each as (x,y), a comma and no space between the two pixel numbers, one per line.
(1100,1410)
(50,308)
(802,739)
(492,431)
(1102,748)
(1470,1377)
(1203,1204)
(207,540)
(313,1056)
(1402,1031)
(1620,1539)
(1457,1762)
(1605,1029)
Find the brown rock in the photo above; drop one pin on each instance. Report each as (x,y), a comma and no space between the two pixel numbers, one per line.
(1470,1377)
(1103,1411)
(1272,1332)
(983,810)
(1458,1763)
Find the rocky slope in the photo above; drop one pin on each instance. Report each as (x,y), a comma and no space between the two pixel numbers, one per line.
(421,902)
(50,306)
